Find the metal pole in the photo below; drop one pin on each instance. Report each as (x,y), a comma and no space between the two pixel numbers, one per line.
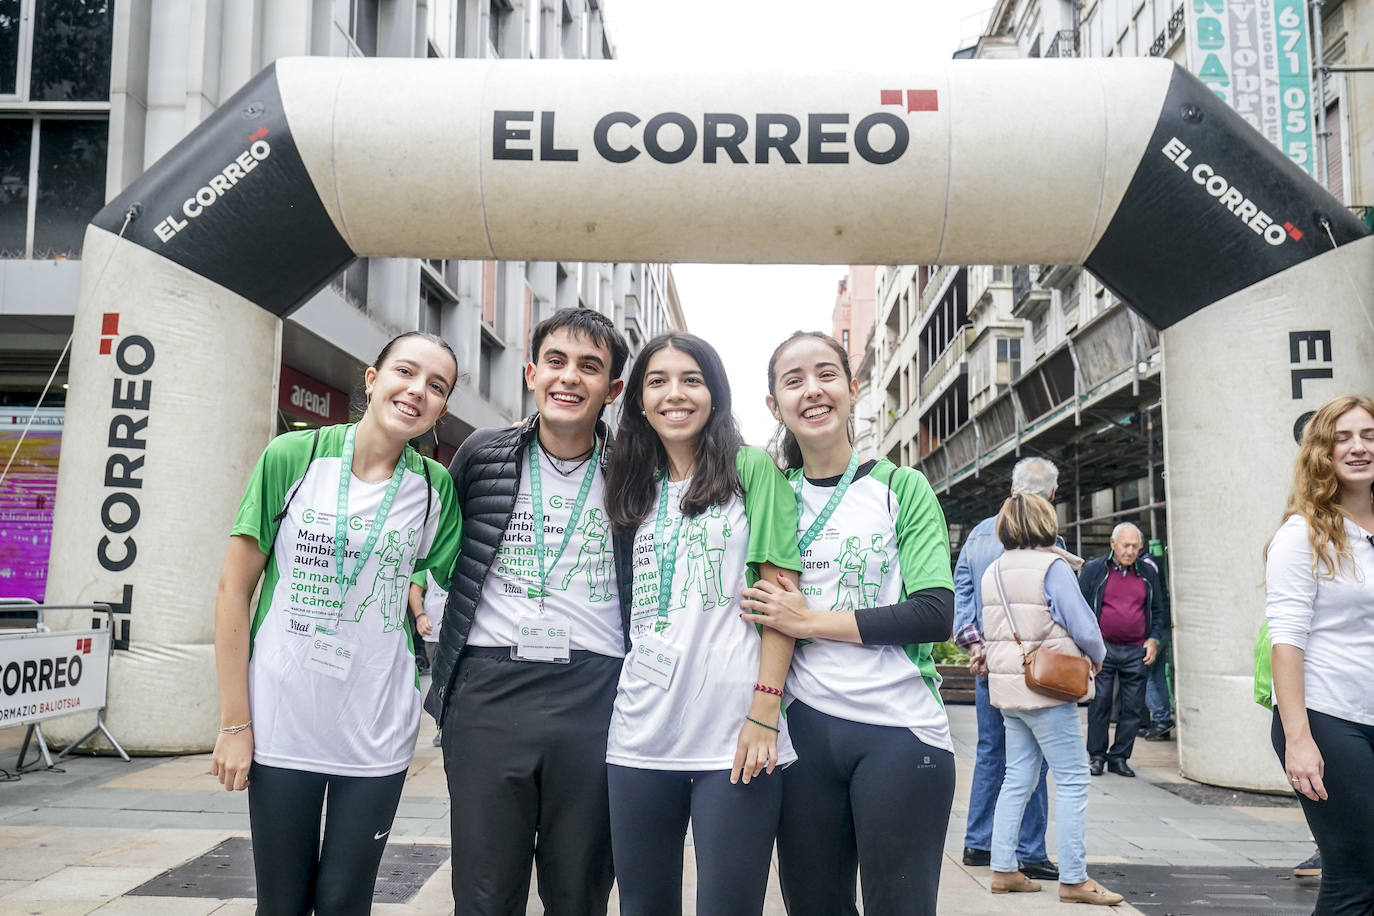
(1319,64)
(1150,468)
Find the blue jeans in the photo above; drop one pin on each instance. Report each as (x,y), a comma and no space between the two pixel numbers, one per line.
(1036,736)
(1157,686)
(988,768)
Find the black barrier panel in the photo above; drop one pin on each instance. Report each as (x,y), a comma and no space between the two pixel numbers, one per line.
(233,203)
(1212,208)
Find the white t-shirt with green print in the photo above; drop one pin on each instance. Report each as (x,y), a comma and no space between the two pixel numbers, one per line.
(695,723)
(886,539)
(581,583)
(364,724)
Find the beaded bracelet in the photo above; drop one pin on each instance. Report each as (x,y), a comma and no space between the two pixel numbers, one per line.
(771,728)
(766,689)
(234,729)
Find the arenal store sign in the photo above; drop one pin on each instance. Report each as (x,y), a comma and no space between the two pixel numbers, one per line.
(1254,55)
(302,396)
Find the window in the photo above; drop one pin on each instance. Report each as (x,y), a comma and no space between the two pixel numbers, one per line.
(362,26)
(351,284)
(1008,361)
(496,22)
(844,339)
(52,162)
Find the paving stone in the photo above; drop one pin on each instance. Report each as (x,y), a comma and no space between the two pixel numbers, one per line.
(82,882)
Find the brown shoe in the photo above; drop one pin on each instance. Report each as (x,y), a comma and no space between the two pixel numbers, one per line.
(1013,882)
(1089,892)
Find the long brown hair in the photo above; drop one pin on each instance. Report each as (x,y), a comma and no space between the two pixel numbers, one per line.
(1315,488)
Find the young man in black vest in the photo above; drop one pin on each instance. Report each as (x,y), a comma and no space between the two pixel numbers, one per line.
(533,640)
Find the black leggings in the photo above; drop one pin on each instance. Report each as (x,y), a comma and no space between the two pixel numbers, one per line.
(861,797)
(1343,825)
(295,874)
(733,827)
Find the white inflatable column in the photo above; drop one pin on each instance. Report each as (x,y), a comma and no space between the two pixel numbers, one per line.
(1238,377)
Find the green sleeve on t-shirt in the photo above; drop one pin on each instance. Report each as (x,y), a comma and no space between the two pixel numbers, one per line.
(281,465)
(770,506)
(444,550)
(922,535)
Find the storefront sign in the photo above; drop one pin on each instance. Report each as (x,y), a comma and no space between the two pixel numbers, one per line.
(301,396)
(1254,55)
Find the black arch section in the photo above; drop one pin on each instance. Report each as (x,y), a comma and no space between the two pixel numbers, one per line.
(1173,248)
(266,236)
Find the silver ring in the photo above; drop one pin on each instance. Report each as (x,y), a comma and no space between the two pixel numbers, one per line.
(1295,780)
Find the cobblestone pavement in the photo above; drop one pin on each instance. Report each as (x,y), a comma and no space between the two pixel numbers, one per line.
(83,840)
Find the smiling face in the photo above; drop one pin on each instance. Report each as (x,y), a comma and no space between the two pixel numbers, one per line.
(676,401)
(812,394)
(408,392)
(571,381)
(1352,451)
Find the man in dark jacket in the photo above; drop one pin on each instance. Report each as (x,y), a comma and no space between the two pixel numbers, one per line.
(1129,602)
(533,639)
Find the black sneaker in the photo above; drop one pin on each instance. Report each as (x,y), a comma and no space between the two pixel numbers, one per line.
(1161,732)
(977,858)
(1311,868)
(1044,870)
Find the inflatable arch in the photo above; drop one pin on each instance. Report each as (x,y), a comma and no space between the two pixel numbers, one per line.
(1130,167)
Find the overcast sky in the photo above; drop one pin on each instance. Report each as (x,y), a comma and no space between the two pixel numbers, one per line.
(744,311)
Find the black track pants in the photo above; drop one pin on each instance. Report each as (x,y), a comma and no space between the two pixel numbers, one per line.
(525,755)
(868,798)
(1343,825)
(295,874)
(733,827)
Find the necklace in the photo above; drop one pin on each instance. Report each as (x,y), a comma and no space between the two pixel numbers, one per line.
(567,466)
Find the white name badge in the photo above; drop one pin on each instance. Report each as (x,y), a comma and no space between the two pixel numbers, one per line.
(655,660)
(330,655)
(542,639)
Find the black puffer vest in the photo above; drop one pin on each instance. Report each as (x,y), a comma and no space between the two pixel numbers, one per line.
(486,479)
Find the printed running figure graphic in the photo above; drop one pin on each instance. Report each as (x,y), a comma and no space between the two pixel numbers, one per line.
(859,580)
(593,557)
(388,589)
(706,536)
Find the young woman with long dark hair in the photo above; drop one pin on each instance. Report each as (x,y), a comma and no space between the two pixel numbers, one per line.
(872,788)
(696,730)
(1319,578)
(317,684)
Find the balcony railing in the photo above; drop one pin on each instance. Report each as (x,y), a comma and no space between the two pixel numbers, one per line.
(1065,44)
(947,360)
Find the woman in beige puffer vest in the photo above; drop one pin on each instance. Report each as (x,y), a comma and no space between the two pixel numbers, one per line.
(1033,584)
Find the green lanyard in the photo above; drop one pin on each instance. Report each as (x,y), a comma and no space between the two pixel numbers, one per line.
(537,499)
(666,554)
(818,525)
(341,516)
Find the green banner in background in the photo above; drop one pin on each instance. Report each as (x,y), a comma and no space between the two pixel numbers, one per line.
(1255,56)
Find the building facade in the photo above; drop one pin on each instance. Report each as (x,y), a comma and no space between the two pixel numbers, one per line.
(93,92)
(976,366)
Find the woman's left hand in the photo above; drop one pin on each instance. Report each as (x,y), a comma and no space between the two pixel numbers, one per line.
(781,607)
(757,749)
